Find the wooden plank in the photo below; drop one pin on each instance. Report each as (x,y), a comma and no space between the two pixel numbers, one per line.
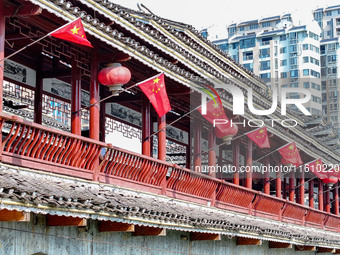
(337,251)
(278,245)
(325,250)
(55,221)
(7,215)
(248,241)
(111,226)
(196,236)
(305,248)
(149,231)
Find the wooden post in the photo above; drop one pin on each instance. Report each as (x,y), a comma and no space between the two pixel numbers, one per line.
(2,48)
(146,126)
(311,193)
(302,187)
(197,147)
(284,191)
(249,163)
(336,199)
(328,199)
(38,94)
(76,99)
(278,184)
(236,161)
(162,138)
(320,195)
(212,153)
(291,187)
(266,181)
(102,121)
(94,98)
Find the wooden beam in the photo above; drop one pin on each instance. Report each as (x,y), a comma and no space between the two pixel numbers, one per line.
(337,251)
(325,250)
(7,215)
(55,221)
(25,10)
(111,226)
(278,245)
(195,236)
(305,248)
(248,241)
(149,231)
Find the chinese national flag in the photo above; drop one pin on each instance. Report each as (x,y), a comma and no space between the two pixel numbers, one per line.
(215,110)
(290,155)
(316,167)
(334,172)
(72,32)
(154,89)
(260,137)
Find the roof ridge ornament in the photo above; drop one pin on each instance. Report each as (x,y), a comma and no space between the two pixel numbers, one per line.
(141,7)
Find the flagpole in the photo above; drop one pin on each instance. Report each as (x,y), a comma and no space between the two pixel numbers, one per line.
(34,42)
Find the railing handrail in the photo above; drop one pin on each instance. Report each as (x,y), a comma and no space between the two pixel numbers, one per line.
(19,120)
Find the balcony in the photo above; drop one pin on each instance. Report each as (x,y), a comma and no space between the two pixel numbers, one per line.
(27,144)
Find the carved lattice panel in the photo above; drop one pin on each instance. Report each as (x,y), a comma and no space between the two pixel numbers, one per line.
(127,130)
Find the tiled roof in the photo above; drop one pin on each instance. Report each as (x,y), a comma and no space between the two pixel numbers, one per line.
(50,194)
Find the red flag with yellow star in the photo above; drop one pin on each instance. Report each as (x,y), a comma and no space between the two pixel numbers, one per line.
(290,155)
(317,167)
(260,137)
(72,32)
(154,89)
(215,111)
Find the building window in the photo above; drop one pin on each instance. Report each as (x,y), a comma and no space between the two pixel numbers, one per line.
(294,73)
(305,59)
(249,66)
(316,86)
(322,49)
(305,46)
(223,46)
(332,70)
(241,28)
(316,99)
(284,86)
(283,37)
(266,24)
(283,62)
(265,53)
(315,73)
(265,76)
(306,85)
(284,75)
(314,61)
(264,65)
(305,72)
(294,85)
(283,50)
(331,58)
(293,61)
(247,43)
(254,26)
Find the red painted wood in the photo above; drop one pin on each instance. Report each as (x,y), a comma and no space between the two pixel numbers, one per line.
(249,177)
(197,147)
(302,188)
(162,138)
(311,193)
(2,48)
(76,99)
(320,195)
(94,98)
(146,127)
(266,182)
(212,152)
(328,199)
(336,199)
(291,186)
(236,161)
(278,185)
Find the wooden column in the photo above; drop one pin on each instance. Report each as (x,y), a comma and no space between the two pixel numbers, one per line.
(291,187)
(266,180)
(302,187)
(297,192)
(146,126)
(336,199)
(76,99)
(197,147)
(284,191)
(236,161)
(102,121)
(162,138)
(328,199)
(212,153)
(249,174)
(94,98)
(38,93)
(278,184)
(320,195)
(311,193)
(2,49)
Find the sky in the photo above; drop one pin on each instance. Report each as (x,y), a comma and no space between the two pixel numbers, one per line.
(220,13)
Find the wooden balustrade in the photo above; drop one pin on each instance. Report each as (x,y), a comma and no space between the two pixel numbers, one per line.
(38,147)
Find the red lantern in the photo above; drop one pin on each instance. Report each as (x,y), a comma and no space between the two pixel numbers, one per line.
(114,76)
(330,180)
(226,132)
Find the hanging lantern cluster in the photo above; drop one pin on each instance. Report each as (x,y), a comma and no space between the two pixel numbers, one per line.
(114,76)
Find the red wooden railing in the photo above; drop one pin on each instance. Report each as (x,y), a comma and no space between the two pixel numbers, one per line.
(39,147)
